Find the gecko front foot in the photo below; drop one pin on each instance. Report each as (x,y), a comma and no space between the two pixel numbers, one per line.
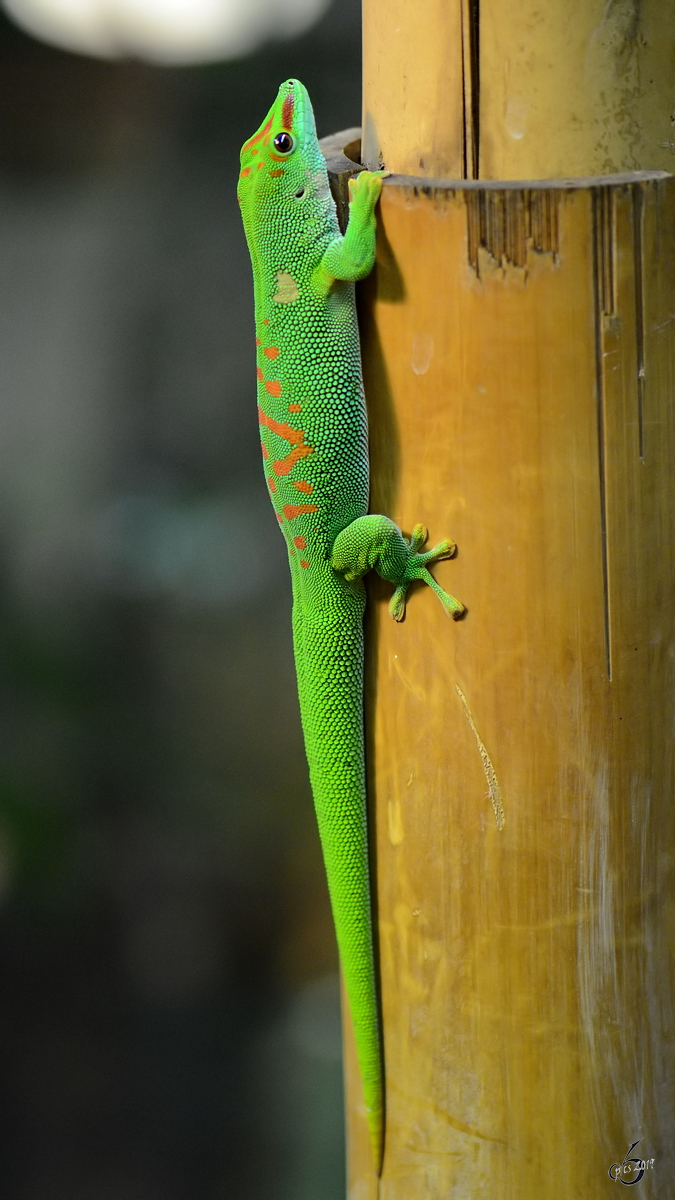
(376,543)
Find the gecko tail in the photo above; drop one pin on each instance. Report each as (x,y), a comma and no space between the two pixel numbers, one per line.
(329,654)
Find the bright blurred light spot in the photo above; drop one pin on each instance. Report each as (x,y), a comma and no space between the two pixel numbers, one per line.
(164,31)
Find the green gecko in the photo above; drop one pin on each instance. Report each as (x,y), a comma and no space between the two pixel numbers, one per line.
(313,428)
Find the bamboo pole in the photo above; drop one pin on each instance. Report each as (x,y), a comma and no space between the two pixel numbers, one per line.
(519,366)
(517,89)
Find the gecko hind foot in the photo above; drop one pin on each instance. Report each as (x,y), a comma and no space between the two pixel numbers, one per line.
(375,543)
(415,568)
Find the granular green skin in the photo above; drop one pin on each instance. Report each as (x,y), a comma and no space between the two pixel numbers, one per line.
(314,437)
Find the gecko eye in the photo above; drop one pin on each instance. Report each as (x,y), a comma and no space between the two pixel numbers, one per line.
(283,143)
(300,194)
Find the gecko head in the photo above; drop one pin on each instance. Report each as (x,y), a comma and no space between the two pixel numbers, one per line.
(283,158)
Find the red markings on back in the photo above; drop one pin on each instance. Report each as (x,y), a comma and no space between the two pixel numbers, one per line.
(303,486)
(295,437)
(275,174)
(291,511)
(258,342)
(284,466)
(259,373)
(303,562)
(271,352)
(246,171)
(287,111)
(272,485)
(265,451)
(273,387)
(266,321)
(300,542)
(295,408)
(279,518)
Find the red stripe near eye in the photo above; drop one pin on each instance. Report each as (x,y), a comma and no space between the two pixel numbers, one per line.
(256,137)
(287,111)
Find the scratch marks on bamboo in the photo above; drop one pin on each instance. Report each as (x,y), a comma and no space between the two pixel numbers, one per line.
(494,790)
(509,223)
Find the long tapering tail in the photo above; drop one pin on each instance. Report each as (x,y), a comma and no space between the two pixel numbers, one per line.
(329,659)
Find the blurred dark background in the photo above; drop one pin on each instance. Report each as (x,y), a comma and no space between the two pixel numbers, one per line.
(168,994)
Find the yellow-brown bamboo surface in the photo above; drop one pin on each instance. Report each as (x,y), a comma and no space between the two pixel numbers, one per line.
(519,362)
(518,89)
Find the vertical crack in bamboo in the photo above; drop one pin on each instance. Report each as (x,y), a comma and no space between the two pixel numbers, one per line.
(603,280)
(467,148)
(638,212)
(494,790)
(474,61)
(471,89)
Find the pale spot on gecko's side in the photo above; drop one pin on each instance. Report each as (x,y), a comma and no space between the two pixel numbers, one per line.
(422,352)
(494,790)
(287,289)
